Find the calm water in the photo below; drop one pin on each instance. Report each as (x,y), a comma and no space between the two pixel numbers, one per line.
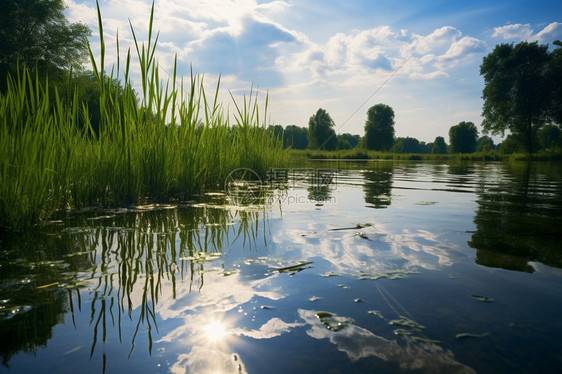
(380,267)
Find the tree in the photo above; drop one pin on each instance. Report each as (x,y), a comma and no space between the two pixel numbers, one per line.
(517,93)
(379,128)
(511,144)
(295,137)
(439,146)
(409,145)
(352,139)
(549,137)
(485,143)
(36,33)
(555,80)
(321,134)
(343,143)
(462,137)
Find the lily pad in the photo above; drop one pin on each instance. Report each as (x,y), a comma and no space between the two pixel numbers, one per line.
(406,322)
(333,322)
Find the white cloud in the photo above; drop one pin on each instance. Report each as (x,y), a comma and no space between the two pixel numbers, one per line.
(516,31)
(519,32)
(550,33)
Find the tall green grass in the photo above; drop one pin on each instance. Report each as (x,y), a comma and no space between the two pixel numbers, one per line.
(173,142)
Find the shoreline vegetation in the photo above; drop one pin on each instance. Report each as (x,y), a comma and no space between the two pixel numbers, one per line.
(359,154)
(167,144)
(174,142)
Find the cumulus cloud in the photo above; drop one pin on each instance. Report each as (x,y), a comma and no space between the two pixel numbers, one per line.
(519,32)
(516,31)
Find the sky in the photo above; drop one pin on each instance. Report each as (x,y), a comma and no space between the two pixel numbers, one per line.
(422,58)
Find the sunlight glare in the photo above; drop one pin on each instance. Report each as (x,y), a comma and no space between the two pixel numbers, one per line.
(215,331)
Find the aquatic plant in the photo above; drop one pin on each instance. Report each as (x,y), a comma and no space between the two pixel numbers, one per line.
(171,143)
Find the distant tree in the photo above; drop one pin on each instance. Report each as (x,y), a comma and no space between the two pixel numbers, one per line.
(517,92)
(295,137)
(343,143)
(511,144)
(398,146)
(485,143)
(379,128)
(462,137)
(36,33)
(411,145)
(321,134)
(352,139)
(550,137)
(425,147)
(439,146)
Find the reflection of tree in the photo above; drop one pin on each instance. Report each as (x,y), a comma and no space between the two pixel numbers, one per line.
(131,257)
(378,185)
(321,182)
(519,218)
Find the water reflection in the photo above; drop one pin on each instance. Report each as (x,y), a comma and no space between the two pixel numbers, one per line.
(378,184)
(518,217)
(127,261)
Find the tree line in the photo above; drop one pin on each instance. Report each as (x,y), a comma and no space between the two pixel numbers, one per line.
(522,94)
(522,89)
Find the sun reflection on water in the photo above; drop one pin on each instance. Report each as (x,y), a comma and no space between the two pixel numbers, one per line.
(215,331)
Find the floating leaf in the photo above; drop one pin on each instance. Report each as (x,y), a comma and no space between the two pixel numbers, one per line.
(333,322)
(465,335)
(376,313)
(294,268)
(483,298)
(403,332)
(425,340)
(406,322)
(329,274)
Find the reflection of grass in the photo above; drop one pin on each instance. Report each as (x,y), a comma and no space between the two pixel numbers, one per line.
(172,143)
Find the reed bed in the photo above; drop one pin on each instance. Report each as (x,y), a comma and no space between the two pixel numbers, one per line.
(171,144)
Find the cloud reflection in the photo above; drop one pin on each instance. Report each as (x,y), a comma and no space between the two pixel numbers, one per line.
(358,343)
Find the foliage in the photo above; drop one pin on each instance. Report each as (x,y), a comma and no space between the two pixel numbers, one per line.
(295,137)
(153,150)
(36,33)
(321,133)
(462,137)
(555,80)
(409,145)
(379,128)
(352,139)
(511,144)
(550,137)
(485,143)
(519,82)
(439,146)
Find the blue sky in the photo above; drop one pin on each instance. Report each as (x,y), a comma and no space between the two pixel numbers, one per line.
(420,57)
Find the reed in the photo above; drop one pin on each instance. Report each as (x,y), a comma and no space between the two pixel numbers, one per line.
(172,143)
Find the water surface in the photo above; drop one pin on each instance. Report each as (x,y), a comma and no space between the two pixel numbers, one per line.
(380,266)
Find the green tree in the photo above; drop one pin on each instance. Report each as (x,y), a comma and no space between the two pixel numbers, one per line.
(352,139)
(511,144)
(517,92)
(485,143)
(439,146)
(343,143)
(409,145)
(295,137)
(555,80)
(462,137)
(37,34)
(549,137)
(321,134)
(379,127)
